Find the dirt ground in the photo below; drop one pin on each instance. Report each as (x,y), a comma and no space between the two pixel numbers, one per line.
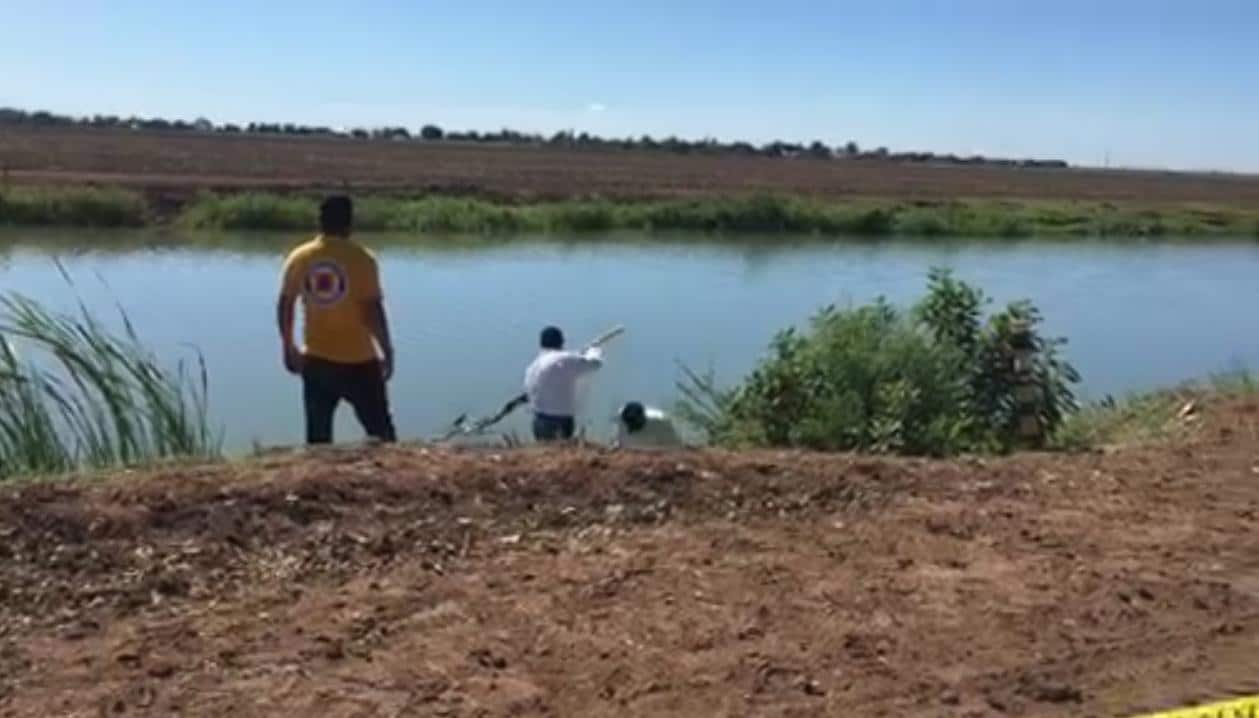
(434,582)
(173,166)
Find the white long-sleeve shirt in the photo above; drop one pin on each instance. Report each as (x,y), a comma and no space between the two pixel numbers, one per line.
(551,380)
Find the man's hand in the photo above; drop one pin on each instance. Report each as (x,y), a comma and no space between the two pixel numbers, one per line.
(386,366)
(293,359)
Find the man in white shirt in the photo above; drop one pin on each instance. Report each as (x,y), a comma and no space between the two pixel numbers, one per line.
(645,427)
(551,385)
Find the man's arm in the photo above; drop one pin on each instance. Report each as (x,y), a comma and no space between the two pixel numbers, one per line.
(284,319)
(373,303)
(591,359)
(290,289)
(378,323)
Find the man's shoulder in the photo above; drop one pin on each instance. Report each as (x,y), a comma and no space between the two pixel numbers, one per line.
(356,255)
(304,250)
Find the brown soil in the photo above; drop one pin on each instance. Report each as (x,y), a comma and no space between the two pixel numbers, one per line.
(172,166)
(435,582)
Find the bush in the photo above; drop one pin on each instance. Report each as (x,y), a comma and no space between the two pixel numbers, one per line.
(871,222)
(72,206)
(440,215)
(936,380)
(923,223)
(952,311)
(251,211)
(579,216)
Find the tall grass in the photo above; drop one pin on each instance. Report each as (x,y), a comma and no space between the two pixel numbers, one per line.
(72,206)
(764,214)
(755,214)
(73,394)
(1149,416)
(249,211)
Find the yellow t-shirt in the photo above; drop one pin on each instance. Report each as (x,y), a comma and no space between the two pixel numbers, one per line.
(336,279)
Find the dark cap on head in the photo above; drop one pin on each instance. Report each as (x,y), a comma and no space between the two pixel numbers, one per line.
(336,215)
(552,338)
(634,416)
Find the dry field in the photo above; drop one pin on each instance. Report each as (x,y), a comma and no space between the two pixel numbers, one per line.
(177,164)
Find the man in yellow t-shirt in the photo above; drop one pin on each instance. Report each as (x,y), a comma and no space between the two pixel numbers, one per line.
(348,353)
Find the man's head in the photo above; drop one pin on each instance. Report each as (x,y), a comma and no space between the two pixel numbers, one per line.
(552,338)
(634,417)
(336,215)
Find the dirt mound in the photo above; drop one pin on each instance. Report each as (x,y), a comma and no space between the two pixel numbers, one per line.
(416,582)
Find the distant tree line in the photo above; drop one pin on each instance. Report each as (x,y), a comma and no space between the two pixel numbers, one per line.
(565,138)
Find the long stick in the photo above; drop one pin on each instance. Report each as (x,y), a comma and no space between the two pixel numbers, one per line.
(460,425)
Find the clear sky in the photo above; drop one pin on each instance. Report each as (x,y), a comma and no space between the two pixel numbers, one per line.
(1152,83)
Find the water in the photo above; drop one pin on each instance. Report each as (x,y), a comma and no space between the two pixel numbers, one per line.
(466,313)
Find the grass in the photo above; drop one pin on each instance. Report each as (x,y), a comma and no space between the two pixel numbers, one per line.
(760,214)
(1149,417)
(105,207)
(72,206)
(249,211)
(75,395)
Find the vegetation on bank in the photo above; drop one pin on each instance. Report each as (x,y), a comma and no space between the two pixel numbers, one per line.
(72,207)
(74,394)
(757,214)
(1149,416)
(114,207)
(935,380)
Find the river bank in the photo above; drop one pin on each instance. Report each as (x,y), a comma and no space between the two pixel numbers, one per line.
(403,580)
(97,207)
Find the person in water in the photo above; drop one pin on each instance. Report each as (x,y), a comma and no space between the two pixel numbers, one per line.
(551,385)
(645,427)
(347,352)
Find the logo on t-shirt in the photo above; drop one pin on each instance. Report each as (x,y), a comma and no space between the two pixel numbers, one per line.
(326,283)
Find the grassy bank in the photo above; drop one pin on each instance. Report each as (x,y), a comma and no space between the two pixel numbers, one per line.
(72,207)
(978,218)
(73,394)
(1149,417)
(106,207)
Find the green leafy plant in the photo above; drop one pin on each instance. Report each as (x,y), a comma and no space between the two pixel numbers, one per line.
(936,380)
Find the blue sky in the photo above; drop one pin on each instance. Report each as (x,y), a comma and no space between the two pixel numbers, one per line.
(1149,83)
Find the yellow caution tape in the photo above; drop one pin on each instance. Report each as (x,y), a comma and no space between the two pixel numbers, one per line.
(1239,708)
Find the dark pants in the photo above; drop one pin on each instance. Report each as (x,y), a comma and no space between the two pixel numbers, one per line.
(552,428)
(325,384)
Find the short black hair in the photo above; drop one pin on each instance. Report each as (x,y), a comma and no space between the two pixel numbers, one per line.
(336,215)
(634,416)
(552,338)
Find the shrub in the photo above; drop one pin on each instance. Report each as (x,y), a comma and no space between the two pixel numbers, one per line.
(922,223)
(72,206)
(251,211)
(952,312)
(936,380)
